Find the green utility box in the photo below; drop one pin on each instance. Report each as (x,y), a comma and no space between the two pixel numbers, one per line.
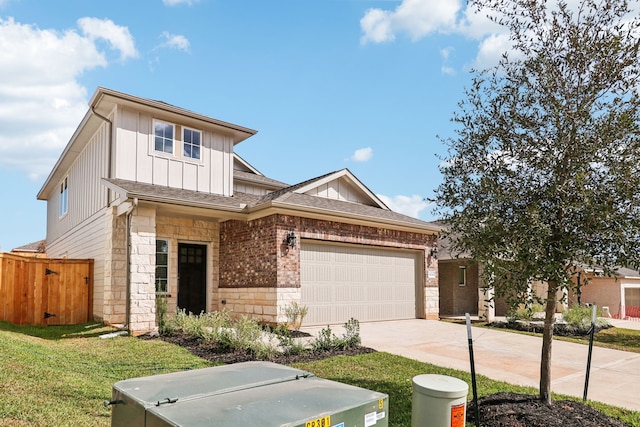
(246,395)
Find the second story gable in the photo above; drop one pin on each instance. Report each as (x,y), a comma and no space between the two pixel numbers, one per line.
(157,143)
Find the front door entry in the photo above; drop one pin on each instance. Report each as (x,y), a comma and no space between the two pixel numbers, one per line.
(192,278)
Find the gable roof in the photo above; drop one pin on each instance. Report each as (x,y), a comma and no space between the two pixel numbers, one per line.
(247,206)
(101,105)
(314,183)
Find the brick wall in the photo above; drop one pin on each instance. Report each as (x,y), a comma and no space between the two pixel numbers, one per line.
(254,255)
(456,300)
(248,254)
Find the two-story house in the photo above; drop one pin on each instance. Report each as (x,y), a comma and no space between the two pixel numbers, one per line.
(157,197)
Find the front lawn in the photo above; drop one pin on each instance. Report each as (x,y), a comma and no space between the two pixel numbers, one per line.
(61,375)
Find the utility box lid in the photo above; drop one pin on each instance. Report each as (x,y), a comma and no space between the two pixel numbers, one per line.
(245,394)
(307,402)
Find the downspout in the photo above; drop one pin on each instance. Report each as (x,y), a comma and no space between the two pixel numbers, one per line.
(127,315)
(109,149)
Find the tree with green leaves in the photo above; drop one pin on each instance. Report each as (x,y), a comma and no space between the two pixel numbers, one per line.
(542,177)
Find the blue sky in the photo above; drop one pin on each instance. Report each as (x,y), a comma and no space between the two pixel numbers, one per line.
(328,84)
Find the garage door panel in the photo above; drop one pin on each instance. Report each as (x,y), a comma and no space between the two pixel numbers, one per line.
(341,281)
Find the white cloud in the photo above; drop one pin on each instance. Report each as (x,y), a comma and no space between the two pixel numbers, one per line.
(421,18)
(175,41)
(362,155)
(42,101)
(118,37)
(407,205)
(446,54)
(417,18)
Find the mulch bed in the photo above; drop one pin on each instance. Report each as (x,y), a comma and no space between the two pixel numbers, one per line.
(496,410)
(518,410)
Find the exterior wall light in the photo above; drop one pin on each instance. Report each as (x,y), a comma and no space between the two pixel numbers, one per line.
(291,239)
(433,253)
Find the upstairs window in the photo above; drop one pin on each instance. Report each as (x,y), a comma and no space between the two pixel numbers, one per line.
(63,203)
(191,141)
(163,133)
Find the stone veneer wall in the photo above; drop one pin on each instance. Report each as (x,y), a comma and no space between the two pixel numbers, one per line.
(113,304)
(188,230)
(142,314)
(254,256)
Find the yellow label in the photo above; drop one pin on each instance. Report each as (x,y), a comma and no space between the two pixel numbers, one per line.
(381,404)
(319,422)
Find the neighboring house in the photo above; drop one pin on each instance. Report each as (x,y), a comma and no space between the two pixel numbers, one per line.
(461,288)
(157,197)
(35,249)
(620,293)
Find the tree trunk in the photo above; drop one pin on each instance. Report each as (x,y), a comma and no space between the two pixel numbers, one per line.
(547,340)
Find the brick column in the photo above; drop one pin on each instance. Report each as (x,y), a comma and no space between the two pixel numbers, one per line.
(142,312)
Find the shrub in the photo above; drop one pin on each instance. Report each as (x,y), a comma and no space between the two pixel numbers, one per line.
(525,312)
(352,334)
(579,317)
(295,314)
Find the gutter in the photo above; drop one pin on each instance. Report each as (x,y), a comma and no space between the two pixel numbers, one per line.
(129,212)
(109,149)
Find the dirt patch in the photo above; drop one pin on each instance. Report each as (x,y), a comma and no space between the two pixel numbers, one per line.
(518,410)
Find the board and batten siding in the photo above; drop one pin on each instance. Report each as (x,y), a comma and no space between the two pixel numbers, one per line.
(86,194)
(339,189)
(136,160)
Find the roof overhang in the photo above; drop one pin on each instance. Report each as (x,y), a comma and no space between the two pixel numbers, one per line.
(275,207)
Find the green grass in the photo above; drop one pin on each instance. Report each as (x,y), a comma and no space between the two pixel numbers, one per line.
(393,375)
(61,375)
(613,338)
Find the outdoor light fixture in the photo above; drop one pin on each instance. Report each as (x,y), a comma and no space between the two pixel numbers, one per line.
(290,239)
(433,253)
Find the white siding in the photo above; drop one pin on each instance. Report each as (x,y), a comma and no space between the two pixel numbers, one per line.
(340,189)
(249,189)
(136,160)
(86,193)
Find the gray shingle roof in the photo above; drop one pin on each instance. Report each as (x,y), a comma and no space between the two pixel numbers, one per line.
(242,202)
(259,179)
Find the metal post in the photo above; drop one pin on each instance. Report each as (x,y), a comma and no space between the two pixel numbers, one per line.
(593,329)
(473,372)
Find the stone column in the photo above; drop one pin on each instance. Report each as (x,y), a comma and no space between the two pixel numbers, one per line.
(142,260)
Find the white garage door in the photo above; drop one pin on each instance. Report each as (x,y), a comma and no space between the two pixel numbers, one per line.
(344,281)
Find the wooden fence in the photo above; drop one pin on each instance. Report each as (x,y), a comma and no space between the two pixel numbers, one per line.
(45,291)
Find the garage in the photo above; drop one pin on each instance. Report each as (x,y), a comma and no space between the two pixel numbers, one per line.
(368,283)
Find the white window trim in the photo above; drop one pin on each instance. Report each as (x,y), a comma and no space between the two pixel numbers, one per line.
(182,144)
(168,291)
(63,198)
(153,139)
(462,270)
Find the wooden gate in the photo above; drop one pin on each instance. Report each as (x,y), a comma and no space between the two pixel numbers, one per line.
(45,291)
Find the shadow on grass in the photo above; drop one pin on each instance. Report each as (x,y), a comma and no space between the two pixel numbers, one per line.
(59,332)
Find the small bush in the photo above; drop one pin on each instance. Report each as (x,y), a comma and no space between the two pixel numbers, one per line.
(295,314)
(352,334)
(524,312)
(327,340)
(579,318)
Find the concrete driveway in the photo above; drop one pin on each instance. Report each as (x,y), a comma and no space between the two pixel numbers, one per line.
(510,357)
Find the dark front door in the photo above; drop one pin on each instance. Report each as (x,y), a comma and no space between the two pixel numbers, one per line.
(192,282)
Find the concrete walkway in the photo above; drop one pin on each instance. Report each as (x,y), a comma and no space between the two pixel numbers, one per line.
(510,357)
